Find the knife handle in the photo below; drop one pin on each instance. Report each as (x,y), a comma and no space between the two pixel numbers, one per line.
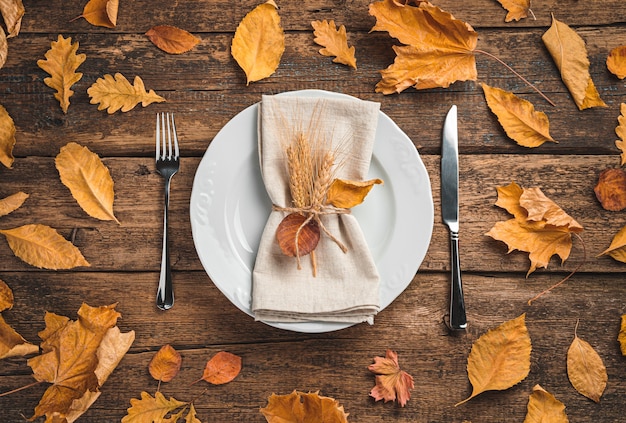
(458,319)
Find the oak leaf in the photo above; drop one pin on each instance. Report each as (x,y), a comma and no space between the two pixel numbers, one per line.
(500,358)
(259,42)
(12,13)
(171,39)
(346,194)
(116,93)
(61,63)
(616,62)
(392,383)
(438,50)
(517,9)
(300,407)
(151,409)
(297,235)
(88,179)
(12,202)
(43,247)
(222,368)
(611,189)
(165,364)
(7,138)
(543,407)
(335,42)
(585,369)
(620,130)
(518,117)
(101,12)
(569,53)
(621,338)
(539,227)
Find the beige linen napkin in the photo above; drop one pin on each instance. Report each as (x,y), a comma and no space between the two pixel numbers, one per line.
(345,288)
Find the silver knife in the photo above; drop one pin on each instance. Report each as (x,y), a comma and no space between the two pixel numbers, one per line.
(450,214)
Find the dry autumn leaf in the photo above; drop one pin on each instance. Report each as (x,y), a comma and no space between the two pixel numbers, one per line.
(611,189)
(222,368)
(500,358)
(297,235)
(518,117)
(543,407)
(43,247)
(7,138)
(61,64)
(259,42)
(621,338)
(303,407)
(585,369)
(165,364)
(517,9)
(151,409)
(12,344)
(616,62)
(439,48)
(88,179)
(12,202)
(334,41)
(6,296)
(116,93)
(12,13)
(171,39)
(346,194)
(4,48)
(569,53)
(101,12)
(620,130)
(391,383)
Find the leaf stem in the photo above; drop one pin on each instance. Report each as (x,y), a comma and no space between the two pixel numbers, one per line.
(30,385)
(527,82)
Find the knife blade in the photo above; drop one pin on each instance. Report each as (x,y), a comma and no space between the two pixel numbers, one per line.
(450,214)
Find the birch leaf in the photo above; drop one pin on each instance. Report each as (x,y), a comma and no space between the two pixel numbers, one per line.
(171,39)
(621,338)
(617,249)
(61,63)
(620,130)
(518,117)
(88,179)
(569,53)
(611,189)
(151,409)
(259,42)
(101,12)
(116,93)
(165,364)
(11,203)
(500,358)
(12,344)
(334,41)
(517,9)
(616,62)
(7,138)
(12,12)
(43,247)
(585,369)
(543,407)
(303,407)
(222,368)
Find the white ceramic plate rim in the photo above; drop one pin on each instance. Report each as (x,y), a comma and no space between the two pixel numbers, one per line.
(229,207)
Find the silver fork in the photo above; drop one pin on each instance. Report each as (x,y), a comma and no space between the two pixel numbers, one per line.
(167,165)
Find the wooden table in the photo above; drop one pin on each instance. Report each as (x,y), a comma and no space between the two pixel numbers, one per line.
(206,88)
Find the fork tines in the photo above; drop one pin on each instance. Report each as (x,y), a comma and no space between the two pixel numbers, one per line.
(165,131)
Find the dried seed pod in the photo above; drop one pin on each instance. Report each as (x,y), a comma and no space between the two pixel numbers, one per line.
(287,234)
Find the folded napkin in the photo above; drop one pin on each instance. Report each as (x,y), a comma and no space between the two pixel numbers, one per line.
(346,285)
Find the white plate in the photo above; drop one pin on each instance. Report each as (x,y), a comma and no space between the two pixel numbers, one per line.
(229,208)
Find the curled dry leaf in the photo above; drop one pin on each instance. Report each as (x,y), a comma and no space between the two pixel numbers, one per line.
(296,237)
(518,117)
(7,138)
(165,364)
(171,39)
(12,13)
(438,50)
(88,179)
(4,48)
(101,12)
(621,338)
(12,344)
(61,63)
(259,42)
(151,409)
(611,189)
(6,296)
(346,194)
(585,369)
(392,383)
(620,130)
(517,9)
(222,368)
(617,249)
(334,41)
(116,93)
(12,202)
(500,358)
(543,407)
(43,247)
(303,407)
(569,53)
(616,62)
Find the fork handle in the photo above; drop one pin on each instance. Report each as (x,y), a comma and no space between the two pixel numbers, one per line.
(165,293)
(458,319)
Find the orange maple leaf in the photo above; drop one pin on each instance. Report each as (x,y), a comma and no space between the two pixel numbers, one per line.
(392,383)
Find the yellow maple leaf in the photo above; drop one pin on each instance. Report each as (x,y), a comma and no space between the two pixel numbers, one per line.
(500,358)
(518,117)
(621,338)
(620,130)
(544,407)
(101,12)
(335,42)
(259,42)
(439,48)
(41,246)
(12,13)
(569,53)
(61,63)
(116,93)
(585,369)
(6,296)
(616,62)
(303,407)
(12,202)
(517,9)
(151,409)
(12,344)
(88,179)
(7,138)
